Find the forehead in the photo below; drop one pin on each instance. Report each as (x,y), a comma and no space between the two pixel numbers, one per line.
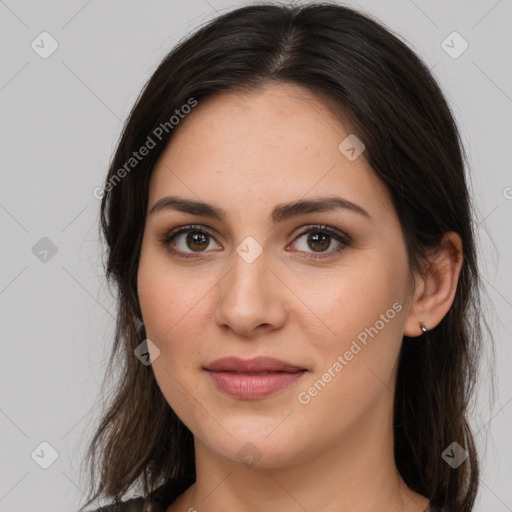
(272,144)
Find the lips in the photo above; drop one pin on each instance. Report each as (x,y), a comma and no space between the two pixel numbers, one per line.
(252,378)
(256,365)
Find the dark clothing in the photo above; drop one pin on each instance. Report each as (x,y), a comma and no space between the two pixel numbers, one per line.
(157,501)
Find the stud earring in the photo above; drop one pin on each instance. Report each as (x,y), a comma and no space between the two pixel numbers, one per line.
(424,328)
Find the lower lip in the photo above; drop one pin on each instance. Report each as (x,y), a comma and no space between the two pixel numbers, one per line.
(246,386)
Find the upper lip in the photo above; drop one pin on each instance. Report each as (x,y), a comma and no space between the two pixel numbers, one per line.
(256,364)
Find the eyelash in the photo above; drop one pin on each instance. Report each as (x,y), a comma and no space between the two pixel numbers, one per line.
(323,229)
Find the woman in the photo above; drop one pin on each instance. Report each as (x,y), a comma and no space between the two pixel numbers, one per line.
(290,231)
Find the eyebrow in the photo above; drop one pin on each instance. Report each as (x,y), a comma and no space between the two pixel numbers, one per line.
(280,213)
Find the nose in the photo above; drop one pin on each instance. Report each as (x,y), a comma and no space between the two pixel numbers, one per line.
(251,298)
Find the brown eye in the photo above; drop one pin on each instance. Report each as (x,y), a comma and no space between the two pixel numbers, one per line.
(196,240)
(320,239)
(187,240)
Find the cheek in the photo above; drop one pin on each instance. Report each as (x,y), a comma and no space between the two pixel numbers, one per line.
(363,308)
(161,311)
(355,366)
(345,302)
(166,318)
(174,310)
(168,298)
(167,315)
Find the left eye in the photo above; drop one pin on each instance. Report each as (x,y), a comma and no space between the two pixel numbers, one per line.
(320,238)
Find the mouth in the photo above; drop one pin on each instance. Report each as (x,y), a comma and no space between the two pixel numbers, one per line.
(254,378)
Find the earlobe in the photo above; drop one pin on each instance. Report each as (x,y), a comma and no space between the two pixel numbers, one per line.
(435,293)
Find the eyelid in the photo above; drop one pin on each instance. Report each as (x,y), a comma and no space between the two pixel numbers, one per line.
(343,239)
(324,228)
(169,235)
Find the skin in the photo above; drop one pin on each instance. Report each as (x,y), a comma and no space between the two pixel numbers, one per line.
(246,154)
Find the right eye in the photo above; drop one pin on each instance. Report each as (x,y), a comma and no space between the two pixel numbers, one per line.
(196,238)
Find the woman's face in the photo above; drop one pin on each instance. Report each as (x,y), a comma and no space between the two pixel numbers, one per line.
(252,286)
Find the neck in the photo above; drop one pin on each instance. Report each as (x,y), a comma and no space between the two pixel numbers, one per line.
(357,474)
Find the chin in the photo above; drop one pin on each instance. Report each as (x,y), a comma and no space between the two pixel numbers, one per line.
(255,448)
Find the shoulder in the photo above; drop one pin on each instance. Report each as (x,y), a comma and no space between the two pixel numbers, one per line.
(132,505)
(157,501)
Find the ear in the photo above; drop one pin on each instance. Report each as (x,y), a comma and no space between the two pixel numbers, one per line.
(435,289)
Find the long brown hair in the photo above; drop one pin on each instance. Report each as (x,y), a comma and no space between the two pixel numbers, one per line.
(369,77)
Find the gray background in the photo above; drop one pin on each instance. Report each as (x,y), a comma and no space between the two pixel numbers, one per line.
(60,119)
